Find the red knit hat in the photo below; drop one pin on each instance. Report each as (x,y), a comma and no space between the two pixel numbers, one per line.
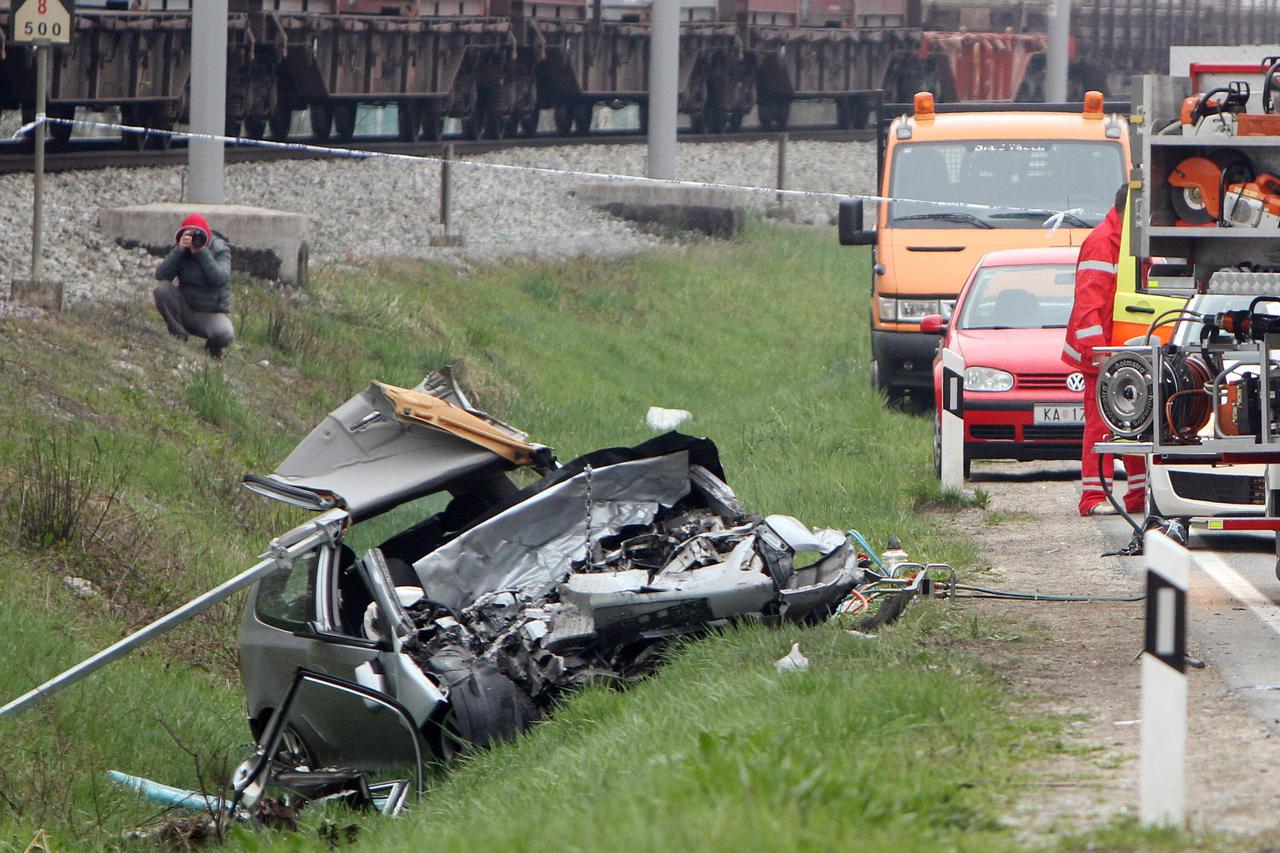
(195,220)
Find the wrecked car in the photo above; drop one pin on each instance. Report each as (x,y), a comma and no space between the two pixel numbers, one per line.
(468,621)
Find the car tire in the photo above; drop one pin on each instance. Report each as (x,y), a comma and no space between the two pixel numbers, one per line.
(893,394)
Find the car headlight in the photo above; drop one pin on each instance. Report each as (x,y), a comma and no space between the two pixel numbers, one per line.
(987,379)
(894,310)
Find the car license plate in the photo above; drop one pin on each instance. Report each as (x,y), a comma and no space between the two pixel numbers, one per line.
(1050,414)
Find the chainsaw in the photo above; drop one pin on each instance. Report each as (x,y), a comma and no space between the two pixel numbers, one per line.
(1207,192)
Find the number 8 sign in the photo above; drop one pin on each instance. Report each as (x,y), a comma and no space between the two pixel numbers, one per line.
(42,22)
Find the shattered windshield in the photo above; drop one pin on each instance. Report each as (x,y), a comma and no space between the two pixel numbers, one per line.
(1035,296)
(1003,183)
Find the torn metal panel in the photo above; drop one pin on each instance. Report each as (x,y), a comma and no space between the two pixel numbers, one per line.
(373,461)
(530,546)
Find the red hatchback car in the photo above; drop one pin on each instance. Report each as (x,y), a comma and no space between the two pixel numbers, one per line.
(1021,401)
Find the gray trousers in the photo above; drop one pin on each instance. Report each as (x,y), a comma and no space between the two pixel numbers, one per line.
(215,328)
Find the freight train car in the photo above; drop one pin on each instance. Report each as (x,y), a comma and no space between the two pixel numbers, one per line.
(499,66)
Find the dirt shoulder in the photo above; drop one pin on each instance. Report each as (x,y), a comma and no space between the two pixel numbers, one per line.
(1078,660)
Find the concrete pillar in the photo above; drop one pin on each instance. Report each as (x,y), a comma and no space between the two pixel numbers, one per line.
(664,70)
(208,100)
(1055,90)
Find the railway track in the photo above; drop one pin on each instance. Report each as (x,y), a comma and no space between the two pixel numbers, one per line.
(105,153)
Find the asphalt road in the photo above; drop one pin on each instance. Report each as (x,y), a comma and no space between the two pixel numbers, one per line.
(1234,602)
(1234,616)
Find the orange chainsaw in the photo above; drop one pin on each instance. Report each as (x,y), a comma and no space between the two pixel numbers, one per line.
(1229,195)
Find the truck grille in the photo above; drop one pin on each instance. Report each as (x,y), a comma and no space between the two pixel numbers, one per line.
(1042,381)
(1218,488)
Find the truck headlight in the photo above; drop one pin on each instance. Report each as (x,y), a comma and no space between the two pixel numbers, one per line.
(987,379)
(893,310)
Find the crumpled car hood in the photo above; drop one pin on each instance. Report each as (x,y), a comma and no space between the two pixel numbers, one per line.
(388,445)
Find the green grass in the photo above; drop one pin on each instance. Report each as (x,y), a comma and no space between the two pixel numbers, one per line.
(901,742)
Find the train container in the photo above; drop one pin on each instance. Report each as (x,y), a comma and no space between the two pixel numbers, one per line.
(497,65)
(136,61)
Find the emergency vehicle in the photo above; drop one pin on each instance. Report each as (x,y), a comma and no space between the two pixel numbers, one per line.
(960,180)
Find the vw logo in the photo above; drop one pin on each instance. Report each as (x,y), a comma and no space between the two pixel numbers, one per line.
(1075,382)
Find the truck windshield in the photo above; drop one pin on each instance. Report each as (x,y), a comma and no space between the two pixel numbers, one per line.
(1002,183)
(1031,296)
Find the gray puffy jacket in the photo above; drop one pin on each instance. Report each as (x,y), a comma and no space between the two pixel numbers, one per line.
(204,278)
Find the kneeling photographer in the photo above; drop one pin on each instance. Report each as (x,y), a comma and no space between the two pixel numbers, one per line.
(200,303)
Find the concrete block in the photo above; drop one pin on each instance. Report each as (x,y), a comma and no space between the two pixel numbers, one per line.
(43,294)
(265,243)
(710,210)
(706,219)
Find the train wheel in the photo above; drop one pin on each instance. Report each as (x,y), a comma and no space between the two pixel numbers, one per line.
(321,121)
(408,120)
(344,121)
(162,118)
(131,140)
(60,132)
(255,126)
(281,121)
(529,122)
(717,105)
(564,119)
(432,125)
(582,118)
(495,124)
(473,124)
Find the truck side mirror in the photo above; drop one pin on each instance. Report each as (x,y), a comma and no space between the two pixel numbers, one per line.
(850,228)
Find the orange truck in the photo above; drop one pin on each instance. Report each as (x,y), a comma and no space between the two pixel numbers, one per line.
(960,180)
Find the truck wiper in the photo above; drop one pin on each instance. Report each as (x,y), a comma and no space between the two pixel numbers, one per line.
(1067,217)
(953,216)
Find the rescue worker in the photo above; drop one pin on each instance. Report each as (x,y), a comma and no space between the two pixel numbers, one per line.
(1089,328)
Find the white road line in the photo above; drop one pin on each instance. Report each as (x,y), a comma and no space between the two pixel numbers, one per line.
(1236,586)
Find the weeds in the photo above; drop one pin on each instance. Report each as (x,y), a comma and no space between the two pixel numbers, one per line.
(287,333)
(212,397)
(63,494)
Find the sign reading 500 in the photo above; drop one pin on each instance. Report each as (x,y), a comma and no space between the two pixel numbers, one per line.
(42,22)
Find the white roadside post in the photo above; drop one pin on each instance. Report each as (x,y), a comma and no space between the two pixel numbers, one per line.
(1164,682)
(952,415)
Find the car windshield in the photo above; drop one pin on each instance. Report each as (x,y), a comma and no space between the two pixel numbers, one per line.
(1033,296)
(1004,183)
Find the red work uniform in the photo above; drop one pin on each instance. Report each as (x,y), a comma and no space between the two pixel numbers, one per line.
(1090,327)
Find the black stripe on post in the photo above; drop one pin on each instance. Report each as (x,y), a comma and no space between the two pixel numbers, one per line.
(952,392)
(1161,597)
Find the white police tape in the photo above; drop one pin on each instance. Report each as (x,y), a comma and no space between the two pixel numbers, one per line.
(1053,222)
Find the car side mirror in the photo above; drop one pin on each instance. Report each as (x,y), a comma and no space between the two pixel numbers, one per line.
(850,225)
(933,324)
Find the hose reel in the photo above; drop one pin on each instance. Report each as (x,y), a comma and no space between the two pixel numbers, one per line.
(1126,396)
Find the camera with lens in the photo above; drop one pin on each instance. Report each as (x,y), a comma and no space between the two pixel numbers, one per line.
(198,238)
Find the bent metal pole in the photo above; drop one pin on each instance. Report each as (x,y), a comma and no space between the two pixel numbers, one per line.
(316,533)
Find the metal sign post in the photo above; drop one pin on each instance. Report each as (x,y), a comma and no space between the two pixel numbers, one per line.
(41,24)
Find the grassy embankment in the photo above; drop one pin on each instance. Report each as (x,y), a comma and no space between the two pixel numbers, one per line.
(893,743)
